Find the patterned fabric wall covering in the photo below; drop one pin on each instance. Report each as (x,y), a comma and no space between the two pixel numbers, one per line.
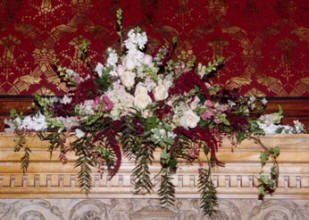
(265,42)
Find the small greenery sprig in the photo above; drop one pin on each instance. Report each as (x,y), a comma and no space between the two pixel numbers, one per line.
(120,29)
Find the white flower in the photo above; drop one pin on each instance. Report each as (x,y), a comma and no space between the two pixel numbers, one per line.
(189,119)
(86,108)
(133,59)
(149,83)
(141,97)
(298,126)
(127,77)
(160,92)
(66,100)
(252,99)
(79,133)
(136,40)
(122,101)
(68,122)
(194,104)
(130,62)
(264,101)
(147,60)
(70,73)
(34,123)
(10,125)
(112,57)
(99,69)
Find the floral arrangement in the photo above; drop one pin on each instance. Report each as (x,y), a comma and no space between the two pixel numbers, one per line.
(141,103)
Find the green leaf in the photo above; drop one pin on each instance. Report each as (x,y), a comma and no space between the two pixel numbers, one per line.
(240,136)
(264,157)
(173,163)
(276,151)
(164,155)
(152,122)
(223,119)
(13,113)
(261,190)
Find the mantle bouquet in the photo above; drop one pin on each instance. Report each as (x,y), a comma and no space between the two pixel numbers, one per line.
(139,102)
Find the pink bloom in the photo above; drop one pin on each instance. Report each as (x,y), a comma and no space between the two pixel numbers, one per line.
(209,103)
(222,108)
(77,79)
(207,114)
(217,120)
(97,101)
(109,105)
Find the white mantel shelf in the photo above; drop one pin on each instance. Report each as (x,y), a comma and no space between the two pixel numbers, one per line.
(49,178)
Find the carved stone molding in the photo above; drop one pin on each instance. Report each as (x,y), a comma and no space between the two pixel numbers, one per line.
(145,209)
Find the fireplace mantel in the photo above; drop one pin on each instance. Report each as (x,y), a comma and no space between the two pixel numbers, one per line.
(47,177)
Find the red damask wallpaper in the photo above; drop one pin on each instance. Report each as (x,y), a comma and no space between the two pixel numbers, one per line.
(265,42)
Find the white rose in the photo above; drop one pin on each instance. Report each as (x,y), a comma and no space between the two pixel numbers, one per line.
(127,77)
(189,119)
(160,92)
(141,99)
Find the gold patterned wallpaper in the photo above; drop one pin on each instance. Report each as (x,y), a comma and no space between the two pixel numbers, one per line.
(265,42)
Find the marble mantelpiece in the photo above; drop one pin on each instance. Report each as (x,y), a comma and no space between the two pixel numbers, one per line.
(51,184)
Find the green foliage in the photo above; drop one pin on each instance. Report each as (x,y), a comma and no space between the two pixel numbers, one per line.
(167,188)
(120,29)
(268,183)
(84,178)
(141,173)
(104,81)
(209,200)
(54,139)
(25,159)
(151,122)
(134,145)
(83,50)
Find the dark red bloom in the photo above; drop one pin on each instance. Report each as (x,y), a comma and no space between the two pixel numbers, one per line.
(85,90)
(110,133)
(186,82)
(138,127)
(61,109)
(164,111)
(238,122)
(203,134)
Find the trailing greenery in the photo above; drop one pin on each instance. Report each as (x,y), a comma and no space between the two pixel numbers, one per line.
(209,200)
(167,188)
(268,183)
